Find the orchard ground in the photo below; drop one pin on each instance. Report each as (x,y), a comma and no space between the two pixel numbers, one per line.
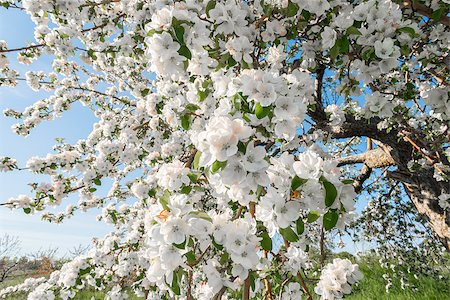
(372,287)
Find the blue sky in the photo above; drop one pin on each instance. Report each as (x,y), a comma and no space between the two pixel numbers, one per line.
(16,28)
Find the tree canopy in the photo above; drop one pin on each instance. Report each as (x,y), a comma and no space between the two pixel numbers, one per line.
(226,125)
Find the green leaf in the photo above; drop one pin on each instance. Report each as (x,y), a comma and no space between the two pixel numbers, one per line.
(306,15)
(92,190)
(145,92)
(97,181)
(408,30)
(27,210)
(437,14)
(241,147)
(179,34)
(330,192)
(190,256)
(164,200)
(231,62)
(191,107)
(201,215)
(185,190)
(330,219)
(252,278)
(266,241)
(348,181)
(218,246)
(152,193)
(84,271)
(261,111)
(313,216)
(91,54)
(367,55)
(202,95)
(186,121)
(151,32)
(300,226)
(292,9)
(289,234)
(180,246)
(297,182)
(353,30)
(224,258)
(193,177)
(343,44)
(211,4)
(184,51)
(218,165)
(334,51)
(113,216)
(196,162)
(175,285)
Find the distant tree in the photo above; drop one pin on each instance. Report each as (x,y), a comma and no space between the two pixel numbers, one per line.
(9,250)
(78,250)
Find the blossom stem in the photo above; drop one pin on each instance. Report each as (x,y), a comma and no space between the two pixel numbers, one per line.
(246,293)
(322,250)
(305,288)
(251,208)
(267,282)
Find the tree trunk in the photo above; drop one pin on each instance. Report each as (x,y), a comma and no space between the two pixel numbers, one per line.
(422,188)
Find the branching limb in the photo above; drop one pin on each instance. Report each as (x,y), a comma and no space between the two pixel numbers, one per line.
(423,10)
(375,158)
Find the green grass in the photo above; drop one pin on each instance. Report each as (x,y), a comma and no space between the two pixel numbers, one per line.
(372,287)
(12,281)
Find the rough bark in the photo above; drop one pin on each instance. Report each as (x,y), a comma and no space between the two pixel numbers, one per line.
(423,191)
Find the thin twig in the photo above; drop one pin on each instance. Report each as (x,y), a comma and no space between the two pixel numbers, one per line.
(220,293)
(322,247)
(405,135)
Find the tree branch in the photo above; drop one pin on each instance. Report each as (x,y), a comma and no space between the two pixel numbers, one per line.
(361,178)
(42,45)
(318,114)
(423,10)
(375,158)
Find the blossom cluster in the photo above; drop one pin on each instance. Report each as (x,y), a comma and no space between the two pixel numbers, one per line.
(336,279)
